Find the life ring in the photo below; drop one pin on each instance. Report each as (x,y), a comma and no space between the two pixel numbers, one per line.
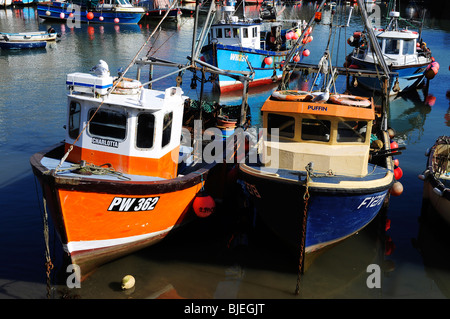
(127,86)
(350,100)
(291,95)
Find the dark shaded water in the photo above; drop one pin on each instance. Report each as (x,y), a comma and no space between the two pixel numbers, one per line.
(201,261)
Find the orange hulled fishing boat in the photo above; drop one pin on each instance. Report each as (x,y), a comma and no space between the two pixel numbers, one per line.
(121,180)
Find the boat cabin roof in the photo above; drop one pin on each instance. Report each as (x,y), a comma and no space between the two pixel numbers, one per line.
(320,109)
(403,34)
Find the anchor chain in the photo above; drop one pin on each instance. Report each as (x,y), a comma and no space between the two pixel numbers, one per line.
(301,261)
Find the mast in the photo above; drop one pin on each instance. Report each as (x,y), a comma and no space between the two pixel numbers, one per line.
(376,47)
(283,84)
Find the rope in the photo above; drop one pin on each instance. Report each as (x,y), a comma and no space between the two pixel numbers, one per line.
(301,262)
(48,261)
(115,85)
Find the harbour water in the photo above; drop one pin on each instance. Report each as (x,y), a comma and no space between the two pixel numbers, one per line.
(213,258)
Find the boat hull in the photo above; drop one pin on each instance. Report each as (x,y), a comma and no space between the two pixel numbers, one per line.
(436,188)
(61,11)
(332,214)
(408,78)
(100,219)
(22,45)
(227,57)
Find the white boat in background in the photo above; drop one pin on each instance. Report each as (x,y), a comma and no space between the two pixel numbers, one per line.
(405,53)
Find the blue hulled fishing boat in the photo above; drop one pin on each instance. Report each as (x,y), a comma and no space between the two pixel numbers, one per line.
(92,11)
(242,45)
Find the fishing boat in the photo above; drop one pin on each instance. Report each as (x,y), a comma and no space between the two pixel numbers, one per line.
(22,2)
(323,168)
(91,11)
(156,9)
(243,45)
(404,51)
(27,40)
(121,180)
(436,177)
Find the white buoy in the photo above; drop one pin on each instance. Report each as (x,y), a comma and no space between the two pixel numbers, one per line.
(128,282)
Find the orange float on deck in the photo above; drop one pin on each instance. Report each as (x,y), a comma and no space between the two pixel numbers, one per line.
(350,100)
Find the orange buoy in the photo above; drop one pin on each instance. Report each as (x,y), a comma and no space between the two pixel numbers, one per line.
(90,16)
(203,205)
(396,189)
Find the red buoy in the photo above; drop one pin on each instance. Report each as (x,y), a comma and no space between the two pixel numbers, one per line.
(268,60)
(116,20)
(296,58)
(203,205)
(398,173)
(306,52)
(394,145)
(90,16)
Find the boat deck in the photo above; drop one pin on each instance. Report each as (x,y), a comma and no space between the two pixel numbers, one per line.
(375,172)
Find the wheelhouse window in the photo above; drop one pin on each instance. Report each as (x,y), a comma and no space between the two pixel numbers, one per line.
(235,33)
(219,33)
(284,124)
(352,131)
(255,32)
(167,129)
(315,130)
(145,130)
(227,33)
(392,46)
(409,47)
(245,33)
(74,119)
(108,124)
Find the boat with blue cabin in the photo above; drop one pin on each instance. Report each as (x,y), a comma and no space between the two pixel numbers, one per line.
(91,11)
(242,45)
(404,51)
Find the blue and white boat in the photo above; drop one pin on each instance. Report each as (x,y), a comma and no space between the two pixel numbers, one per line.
(242,45)
(91,11)
(405,54)
(27,40)
(326,173)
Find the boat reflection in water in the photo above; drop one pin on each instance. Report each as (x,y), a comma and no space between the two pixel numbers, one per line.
(408,113)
